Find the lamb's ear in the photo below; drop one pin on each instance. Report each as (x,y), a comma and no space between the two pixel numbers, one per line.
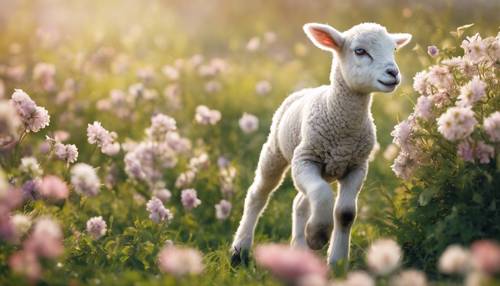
(324,37)
(401,39)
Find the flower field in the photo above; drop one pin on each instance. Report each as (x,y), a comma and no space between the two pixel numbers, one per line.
(130,132)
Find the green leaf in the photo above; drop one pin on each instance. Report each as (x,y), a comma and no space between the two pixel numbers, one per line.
(425,196)
(477,198)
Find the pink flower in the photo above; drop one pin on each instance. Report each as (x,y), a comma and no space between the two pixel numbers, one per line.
(178,143)
(263,87)
(46,239)
(440,77)
(68,152)
(111,149)
(492,126)
(222,210)
(358,278)
(157,212)
(202,161)
(409,278)
(23,104)
(253,44)
(147,161)
(34,117)
(289,264)
(96,134)
(433,51)
(249,123)
(401,134)
(161,125)
(10,122)
(474,48)
(26,263)
(53,188)
(472,92)
(185,179)
(172,93)
(44,74)
(403,165)
(423,108)
(206,116)
(466,151)
(96,227)
(486,256)
(456,123)
(484,152)
(180,261)
(212,86)
(170,72)
(421,83)
(189,199)
(163,194)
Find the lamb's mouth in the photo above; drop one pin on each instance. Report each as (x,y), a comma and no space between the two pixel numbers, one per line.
(389,84)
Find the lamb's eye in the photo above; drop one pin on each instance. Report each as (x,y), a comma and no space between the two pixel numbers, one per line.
(360,51)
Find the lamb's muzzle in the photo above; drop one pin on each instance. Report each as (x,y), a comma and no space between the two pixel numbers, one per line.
(325,134)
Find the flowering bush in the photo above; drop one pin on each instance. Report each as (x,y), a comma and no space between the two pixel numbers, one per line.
(450,153)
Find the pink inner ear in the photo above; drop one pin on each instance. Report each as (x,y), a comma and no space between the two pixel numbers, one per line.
(401,41)
(323,37)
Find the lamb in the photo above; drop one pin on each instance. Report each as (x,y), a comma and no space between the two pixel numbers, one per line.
(326,134)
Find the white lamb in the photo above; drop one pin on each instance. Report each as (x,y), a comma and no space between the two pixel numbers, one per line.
(325,134)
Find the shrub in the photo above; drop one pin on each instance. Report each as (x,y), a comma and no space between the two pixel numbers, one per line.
(449,153)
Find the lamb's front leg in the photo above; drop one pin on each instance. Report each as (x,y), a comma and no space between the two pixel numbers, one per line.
(307,179)
(345,212)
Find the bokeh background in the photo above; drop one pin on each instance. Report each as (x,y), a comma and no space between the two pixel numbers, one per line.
(98,46)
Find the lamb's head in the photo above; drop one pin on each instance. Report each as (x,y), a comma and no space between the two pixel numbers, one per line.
(365,54)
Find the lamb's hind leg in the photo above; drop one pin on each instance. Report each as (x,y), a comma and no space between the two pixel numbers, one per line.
(268,176)
(299,220)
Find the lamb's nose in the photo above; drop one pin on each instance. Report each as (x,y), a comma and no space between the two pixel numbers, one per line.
(393,72)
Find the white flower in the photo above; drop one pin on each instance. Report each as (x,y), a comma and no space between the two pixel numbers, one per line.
(455,259)
(96,227)
(206,116)
(21,223)
(384,256)
(30,166)
(222,210)
(263,87)
(249,123)
(85,180)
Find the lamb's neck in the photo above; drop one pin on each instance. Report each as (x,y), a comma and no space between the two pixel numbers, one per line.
(345,103)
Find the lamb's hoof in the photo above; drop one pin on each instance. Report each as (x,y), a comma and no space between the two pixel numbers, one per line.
(239,256)
(317,237)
